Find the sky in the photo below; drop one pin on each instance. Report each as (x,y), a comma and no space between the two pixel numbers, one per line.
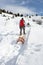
(23,6)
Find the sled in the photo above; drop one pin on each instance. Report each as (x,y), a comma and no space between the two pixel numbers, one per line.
(21,39)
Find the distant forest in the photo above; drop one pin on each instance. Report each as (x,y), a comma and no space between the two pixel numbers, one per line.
(4,11)
(18,14)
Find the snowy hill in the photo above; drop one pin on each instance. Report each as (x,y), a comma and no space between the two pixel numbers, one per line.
(31,52)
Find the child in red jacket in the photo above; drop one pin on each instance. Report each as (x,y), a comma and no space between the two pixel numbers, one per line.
(22,26)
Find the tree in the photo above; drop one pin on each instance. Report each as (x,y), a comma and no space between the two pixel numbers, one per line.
(21,15)
(0,11)
(36,14)
(18,14)
(4,11)
(29,16)
(15,15)
(7,12)
(10,13)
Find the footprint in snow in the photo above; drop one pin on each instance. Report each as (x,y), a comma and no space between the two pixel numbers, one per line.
(38,47)
(13,42)
(35,48)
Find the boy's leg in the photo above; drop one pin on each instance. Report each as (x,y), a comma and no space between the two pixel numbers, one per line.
(24,30)
(20,30)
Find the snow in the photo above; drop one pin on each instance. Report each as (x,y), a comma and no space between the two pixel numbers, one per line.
(13,53)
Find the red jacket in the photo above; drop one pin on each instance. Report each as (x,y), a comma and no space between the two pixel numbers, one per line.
(22,23)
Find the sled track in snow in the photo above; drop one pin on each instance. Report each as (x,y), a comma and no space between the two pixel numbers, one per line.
(23,47)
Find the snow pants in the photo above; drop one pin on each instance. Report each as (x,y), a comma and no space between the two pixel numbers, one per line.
(22,28)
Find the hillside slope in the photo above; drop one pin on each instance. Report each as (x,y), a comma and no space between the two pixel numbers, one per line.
(31,53)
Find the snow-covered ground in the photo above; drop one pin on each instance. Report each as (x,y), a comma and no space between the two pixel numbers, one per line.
(29,53)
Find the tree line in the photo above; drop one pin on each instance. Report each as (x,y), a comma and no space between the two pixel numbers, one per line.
(4,11)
